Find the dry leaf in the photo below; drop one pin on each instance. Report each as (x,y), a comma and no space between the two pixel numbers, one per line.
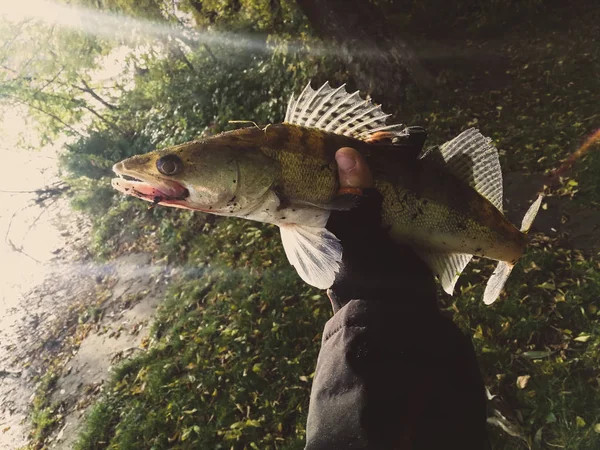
(522,381)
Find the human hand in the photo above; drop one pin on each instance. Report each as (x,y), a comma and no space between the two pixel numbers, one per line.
(373,266)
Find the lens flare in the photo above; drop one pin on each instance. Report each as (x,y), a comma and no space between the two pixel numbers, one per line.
(136,31)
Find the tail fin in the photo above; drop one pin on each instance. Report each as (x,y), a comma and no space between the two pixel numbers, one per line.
(503,269)
(530,215)
(496,282)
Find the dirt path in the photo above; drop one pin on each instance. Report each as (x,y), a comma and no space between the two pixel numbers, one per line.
(120,332)
(76,318)
(34,315)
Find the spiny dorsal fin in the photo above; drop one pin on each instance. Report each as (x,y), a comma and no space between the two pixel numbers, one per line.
(338,111)
(472,158)
(447,267)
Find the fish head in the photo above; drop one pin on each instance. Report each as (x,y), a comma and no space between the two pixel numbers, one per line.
(209,176)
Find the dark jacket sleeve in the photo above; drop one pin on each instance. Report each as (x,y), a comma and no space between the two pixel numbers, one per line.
(392,377)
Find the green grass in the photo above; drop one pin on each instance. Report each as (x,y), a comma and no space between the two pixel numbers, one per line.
(44,415)
(235,341)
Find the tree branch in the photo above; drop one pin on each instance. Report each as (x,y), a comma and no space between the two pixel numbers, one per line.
(176,51)
(49,114)
(110,123)
(210,52)
(48,82)
(93,93)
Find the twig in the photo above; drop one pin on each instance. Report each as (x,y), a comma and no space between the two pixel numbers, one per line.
(87,89)
(11,243)
(49,114)
(210,52)
(39,200)
(30,227)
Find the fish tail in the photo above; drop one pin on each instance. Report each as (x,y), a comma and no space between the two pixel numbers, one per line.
(529,216)
(503,269)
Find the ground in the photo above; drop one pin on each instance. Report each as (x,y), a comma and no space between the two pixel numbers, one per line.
(61,338)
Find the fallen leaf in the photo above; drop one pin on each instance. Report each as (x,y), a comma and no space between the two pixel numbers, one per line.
(547,285)
(536,354)
(522,381)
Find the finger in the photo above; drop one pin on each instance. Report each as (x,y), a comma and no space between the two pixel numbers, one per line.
(352,169)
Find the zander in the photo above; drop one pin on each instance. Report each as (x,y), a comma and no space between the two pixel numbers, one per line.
(445,203)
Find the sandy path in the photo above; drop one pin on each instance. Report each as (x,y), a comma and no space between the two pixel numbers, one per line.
(37,299)
(78,316)
(58,307)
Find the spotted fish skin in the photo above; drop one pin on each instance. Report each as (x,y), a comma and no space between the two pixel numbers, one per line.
(422,204)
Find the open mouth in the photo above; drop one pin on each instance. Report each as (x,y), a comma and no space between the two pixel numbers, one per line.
(157,191)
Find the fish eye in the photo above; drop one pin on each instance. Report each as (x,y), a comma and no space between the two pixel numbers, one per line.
(169,165)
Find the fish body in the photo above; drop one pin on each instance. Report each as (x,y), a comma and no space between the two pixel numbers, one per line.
(445,204)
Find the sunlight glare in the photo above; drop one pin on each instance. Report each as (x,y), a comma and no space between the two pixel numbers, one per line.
(126,29)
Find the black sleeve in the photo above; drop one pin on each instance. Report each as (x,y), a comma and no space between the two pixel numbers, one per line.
(391,377)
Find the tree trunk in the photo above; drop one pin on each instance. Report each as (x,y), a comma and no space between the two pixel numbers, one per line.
(372,48)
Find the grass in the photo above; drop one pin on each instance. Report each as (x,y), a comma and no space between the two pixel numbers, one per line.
(547,328)
(235,342)
(44,415)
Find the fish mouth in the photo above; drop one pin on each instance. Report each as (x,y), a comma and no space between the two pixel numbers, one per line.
(151,189)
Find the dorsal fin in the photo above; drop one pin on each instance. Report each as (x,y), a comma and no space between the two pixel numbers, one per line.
(338,111)
(472,158)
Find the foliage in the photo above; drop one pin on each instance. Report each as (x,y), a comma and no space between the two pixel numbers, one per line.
(547,329)
(47,70)
(469,18)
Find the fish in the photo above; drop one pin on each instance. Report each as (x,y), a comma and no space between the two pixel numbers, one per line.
(444,202)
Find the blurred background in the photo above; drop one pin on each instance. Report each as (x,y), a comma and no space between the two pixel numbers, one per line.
(128,327)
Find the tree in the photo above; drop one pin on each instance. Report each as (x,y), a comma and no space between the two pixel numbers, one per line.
(372,48)
(47,69)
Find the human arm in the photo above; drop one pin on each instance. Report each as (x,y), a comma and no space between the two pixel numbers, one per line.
(392,373)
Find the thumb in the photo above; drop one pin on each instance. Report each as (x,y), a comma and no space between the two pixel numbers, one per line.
(353,170)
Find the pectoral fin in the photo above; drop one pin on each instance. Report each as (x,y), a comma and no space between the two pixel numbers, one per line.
(315,253)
